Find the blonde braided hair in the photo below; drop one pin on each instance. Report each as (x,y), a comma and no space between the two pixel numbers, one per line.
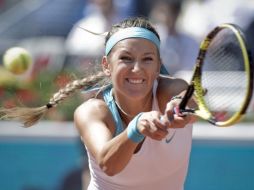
(30,116)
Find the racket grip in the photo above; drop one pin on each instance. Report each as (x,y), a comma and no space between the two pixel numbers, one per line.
(187,111)
(186,97)
(183,112)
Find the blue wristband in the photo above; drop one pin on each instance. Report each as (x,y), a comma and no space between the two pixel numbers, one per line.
(132,131)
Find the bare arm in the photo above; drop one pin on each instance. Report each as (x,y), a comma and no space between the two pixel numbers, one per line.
(96,127)
(168,88)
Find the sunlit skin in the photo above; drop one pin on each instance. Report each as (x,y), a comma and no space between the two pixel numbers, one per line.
(133,65)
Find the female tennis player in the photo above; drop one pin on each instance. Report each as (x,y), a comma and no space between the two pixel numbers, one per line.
(134,136)
(132,143)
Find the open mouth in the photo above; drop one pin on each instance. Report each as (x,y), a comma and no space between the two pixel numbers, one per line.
(135,81)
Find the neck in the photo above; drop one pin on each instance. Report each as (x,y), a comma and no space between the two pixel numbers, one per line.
(130,111)
(130,116)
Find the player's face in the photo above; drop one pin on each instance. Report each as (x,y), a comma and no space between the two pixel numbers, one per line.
(134,64)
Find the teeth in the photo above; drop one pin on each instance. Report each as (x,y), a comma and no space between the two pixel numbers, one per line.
(135,81)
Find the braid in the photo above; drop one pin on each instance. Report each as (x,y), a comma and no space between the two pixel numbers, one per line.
(73,86)
(30,116)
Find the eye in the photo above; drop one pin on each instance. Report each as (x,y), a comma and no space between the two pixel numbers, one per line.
(125,58)
(148,59)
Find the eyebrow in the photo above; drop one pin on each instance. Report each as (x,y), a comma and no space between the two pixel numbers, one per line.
(150,53)
(128,52)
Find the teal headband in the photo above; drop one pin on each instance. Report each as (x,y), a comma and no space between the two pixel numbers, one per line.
(131,32)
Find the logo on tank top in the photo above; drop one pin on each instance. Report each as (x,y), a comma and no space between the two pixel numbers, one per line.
(168,140)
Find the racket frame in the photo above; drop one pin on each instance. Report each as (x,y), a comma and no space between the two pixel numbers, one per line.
(195,86)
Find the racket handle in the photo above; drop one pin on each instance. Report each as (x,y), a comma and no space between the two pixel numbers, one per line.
(186,97)
(183,112)
(187,111)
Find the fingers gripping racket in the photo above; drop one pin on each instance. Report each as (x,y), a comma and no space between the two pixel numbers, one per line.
(222,81)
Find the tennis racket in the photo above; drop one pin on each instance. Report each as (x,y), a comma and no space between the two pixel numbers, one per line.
(222,80)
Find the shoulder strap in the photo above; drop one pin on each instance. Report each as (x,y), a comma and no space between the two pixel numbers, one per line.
(108,97)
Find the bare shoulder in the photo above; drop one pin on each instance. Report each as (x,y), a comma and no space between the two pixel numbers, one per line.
(169,87)
(93,112)
(91,108)
(94,123)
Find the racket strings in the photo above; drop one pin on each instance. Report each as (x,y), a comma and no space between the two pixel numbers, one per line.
(224,76)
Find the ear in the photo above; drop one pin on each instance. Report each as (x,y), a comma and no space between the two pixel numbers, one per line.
(105,66)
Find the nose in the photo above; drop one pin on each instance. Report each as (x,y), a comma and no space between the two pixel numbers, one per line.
(136,67)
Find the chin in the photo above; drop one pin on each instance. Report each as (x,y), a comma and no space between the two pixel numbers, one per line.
(137,93)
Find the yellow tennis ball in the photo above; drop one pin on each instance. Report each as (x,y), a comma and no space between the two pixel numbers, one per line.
(17,60)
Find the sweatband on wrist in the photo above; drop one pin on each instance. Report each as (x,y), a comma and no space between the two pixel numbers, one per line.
(131,32)
(132,131)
